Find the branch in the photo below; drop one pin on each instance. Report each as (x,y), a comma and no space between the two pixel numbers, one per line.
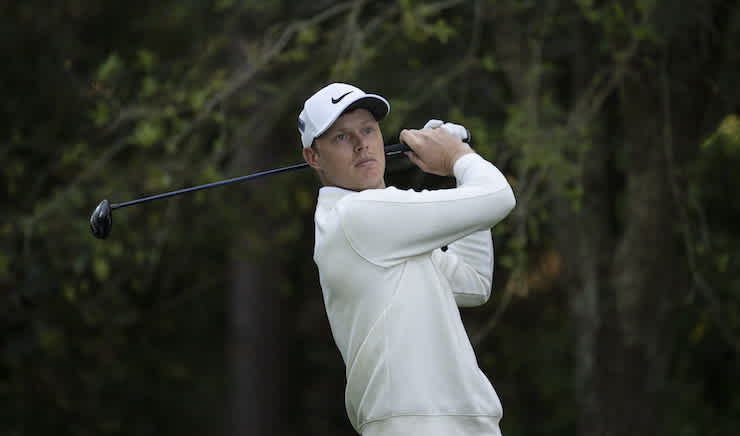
(138,112)
(353,36)
(92,169)
(242,78)
(591,101)
(476,32)
(435,8)
(709,294)
(430,91)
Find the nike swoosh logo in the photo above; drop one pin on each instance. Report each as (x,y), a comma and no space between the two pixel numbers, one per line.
(337,100)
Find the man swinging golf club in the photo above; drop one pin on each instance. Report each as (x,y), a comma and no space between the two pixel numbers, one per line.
(391,292)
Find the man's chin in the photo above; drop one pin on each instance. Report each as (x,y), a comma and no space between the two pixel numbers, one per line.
(370,178)
(368,184)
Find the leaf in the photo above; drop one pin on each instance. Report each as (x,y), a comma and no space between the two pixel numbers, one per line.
(147,132)
(488,63)
(222,5)
(727,136)
(197,99)
(112,65)
(729,128)
(101,269)
(72,156)
(618,12)
(442,30)
(149,87)
(101,114)
(697,334)
(410,27)
(645,6)
(146,59)
(308,35)
(51,339)
(70,293)
(723,260)
(210,173)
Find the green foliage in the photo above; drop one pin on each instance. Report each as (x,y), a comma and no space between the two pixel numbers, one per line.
(417,24)
(147,133)
(726,140)
(113,65)
(125,336)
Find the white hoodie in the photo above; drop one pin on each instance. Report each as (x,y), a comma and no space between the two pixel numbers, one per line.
(391,296)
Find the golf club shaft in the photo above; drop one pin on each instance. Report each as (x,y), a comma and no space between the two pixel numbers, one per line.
(390,151)
(208,185)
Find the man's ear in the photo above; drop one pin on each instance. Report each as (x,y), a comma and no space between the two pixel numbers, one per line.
(312,158)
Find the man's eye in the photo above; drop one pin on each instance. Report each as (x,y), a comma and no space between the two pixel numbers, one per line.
(368,130)
(340,137)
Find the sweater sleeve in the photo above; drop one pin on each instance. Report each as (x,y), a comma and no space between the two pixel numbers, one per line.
(388,226)
(468,266)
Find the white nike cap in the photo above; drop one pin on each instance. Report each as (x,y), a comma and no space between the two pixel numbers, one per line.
(329,103)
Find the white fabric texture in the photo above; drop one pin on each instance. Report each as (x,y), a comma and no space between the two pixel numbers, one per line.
(391,297)
(433,426)
(433,124)
(455,129)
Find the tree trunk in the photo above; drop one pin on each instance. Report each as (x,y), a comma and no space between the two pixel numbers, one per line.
(253,353)
(584,236)
(619,272)
(643,274)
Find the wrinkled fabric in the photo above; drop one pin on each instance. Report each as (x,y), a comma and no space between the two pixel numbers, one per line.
(392,297)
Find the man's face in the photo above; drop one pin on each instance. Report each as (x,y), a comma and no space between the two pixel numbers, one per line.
(350,153)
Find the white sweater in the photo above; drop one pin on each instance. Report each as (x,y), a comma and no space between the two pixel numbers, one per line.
(391,296)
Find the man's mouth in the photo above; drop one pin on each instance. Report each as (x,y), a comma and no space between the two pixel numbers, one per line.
(365,162)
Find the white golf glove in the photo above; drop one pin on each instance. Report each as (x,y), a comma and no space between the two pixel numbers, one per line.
(456,129)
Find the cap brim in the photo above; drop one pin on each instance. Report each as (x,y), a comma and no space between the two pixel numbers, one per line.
(377,105)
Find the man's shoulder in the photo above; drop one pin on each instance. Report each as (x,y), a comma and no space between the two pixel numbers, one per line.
(373,198)
(369,194)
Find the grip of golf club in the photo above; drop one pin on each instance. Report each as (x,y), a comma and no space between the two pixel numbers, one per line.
(394,149)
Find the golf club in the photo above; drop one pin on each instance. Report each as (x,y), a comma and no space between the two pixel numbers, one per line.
(101,220)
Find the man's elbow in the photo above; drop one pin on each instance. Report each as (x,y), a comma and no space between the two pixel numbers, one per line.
(471,300)
(509,201)
(502,204)
(477,297)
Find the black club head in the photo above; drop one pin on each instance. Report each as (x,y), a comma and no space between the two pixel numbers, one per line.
(101,220)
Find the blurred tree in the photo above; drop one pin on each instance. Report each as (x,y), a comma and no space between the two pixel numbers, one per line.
(617,303)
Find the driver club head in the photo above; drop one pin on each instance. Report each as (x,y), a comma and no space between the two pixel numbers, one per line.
(101,220)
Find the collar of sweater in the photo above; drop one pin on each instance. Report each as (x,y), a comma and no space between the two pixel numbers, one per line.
(332,194)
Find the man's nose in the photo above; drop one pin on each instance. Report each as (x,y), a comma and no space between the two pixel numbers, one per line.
(360,143)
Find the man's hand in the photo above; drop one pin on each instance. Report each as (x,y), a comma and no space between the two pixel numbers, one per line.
(435,150)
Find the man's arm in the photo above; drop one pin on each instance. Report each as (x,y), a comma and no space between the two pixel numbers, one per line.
(468,266)
(390,226)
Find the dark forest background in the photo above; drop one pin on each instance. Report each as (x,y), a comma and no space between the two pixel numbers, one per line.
(616,302)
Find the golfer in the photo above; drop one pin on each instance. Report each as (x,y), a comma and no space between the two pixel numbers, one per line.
(391,291)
